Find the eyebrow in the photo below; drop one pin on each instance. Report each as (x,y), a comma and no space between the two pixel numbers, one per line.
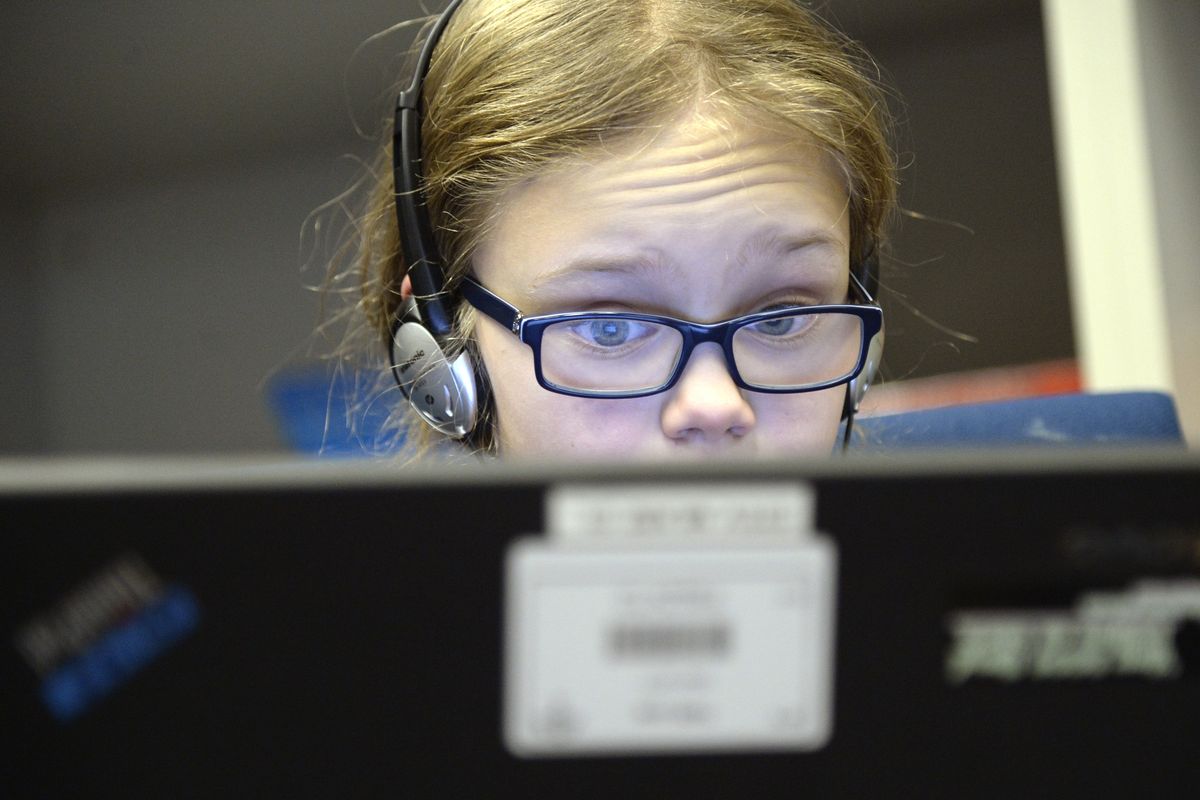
(637,263)
(776,243)
(770,244)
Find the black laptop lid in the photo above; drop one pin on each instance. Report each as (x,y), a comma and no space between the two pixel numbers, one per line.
(340,630)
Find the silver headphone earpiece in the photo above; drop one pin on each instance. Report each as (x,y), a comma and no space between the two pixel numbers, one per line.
(441,391)
(860,384)
(866,275)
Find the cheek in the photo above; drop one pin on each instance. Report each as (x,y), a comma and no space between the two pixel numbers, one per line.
(509,366)
(560,426)
(803,423)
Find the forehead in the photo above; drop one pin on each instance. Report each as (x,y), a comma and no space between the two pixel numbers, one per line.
(704,155)
(705,192)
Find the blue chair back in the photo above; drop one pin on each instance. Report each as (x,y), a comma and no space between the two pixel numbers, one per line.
(311,407)
(1112,418)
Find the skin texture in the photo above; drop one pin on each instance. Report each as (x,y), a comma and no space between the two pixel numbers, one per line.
(707,220)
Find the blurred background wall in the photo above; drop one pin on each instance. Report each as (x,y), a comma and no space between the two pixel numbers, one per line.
(159,162)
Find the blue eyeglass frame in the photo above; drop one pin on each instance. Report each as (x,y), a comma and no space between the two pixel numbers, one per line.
(530,329)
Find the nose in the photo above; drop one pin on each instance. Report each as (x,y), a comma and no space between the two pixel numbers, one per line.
(706,406)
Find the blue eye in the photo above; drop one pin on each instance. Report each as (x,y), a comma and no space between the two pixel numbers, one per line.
(611,336)
(608,332)
(775,327)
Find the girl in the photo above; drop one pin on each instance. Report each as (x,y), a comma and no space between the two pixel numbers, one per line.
(631,228)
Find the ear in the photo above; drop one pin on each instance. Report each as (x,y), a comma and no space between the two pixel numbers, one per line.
(405,289)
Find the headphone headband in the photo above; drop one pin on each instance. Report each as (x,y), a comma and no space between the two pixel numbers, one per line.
(419,248)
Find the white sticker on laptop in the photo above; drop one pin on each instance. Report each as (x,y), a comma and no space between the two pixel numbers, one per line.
(695,513)
(668,651)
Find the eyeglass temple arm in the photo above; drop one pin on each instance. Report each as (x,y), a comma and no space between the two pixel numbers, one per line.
(491,305)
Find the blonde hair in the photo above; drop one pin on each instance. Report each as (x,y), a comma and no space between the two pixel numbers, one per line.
(517,88)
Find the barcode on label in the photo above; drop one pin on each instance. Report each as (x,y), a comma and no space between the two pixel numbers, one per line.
(651,641)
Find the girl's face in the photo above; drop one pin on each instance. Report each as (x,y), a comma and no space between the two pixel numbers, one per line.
(706,222)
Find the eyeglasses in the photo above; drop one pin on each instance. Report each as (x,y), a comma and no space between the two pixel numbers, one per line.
(617,354)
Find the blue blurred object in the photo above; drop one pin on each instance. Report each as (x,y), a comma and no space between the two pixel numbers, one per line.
(1112,418)
(311,407)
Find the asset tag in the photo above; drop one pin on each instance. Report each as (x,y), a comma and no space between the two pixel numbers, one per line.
(679,650)
(771,513)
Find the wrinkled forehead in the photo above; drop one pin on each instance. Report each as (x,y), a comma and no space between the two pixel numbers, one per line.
(706,140)
(704,155)
(684,173)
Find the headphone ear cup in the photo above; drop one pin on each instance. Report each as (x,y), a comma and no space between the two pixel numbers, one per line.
(442,392)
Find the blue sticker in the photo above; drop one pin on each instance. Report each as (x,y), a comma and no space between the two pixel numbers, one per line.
(118,655)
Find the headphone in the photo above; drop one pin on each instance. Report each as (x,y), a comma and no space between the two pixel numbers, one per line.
(441,389)
(866,275)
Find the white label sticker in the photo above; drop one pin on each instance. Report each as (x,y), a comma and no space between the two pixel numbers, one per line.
(697,514)
(641,652)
